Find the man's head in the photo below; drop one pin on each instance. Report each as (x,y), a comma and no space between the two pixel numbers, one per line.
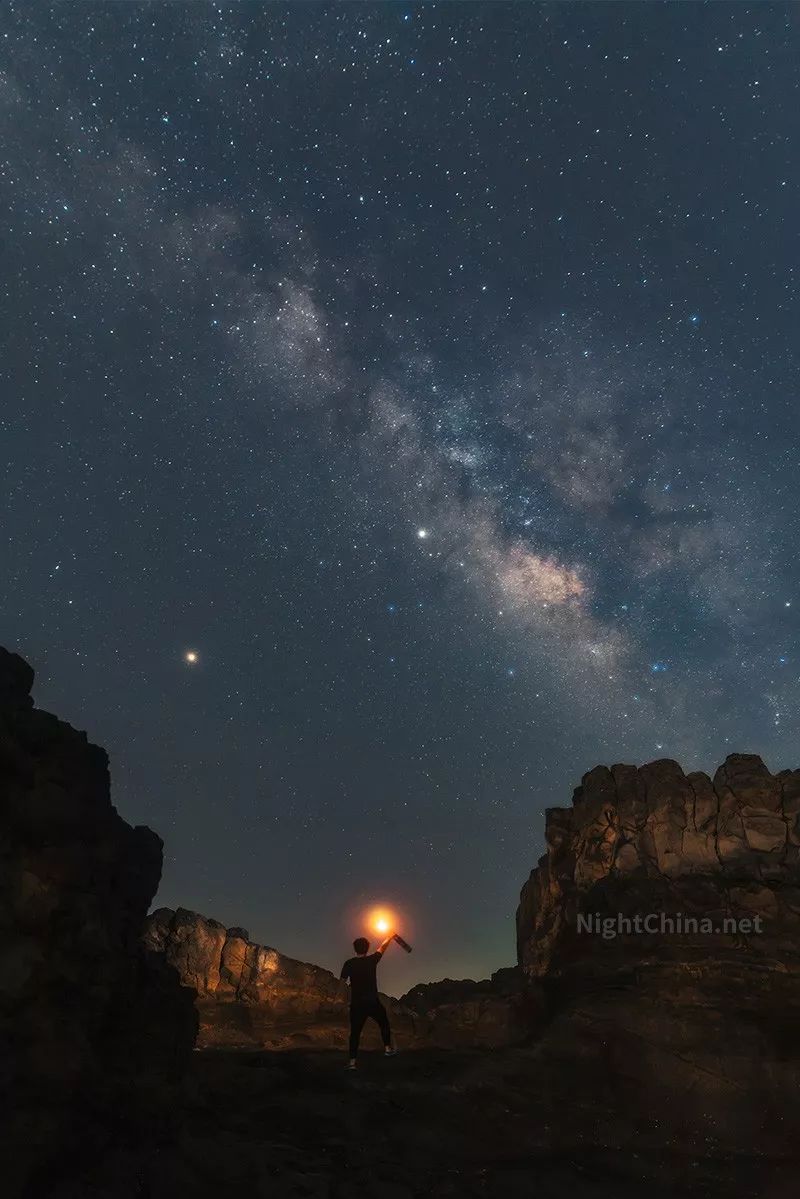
(361,945)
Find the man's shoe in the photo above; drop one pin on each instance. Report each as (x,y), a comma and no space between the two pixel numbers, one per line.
(389,1051)
(351,1065)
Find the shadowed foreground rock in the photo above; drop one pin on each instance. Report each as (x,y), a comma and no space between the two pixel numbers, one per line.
(94,1031)
(688,1027)
(491,1013)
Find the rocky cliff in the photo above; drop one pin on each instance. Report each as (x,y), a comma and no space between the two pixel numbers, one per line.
(225,964)
(663,925)
(90,1023)
(248,995)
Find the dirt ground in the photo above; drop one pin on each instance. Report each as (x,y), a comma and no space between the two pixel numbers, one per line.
(294,1124)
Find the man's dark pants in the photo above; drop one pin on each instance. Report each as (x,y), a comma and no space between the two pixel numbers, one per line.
(360,1012)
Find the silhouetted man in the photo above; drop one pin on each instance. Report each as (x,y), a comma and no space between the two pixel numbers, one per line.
(361,972)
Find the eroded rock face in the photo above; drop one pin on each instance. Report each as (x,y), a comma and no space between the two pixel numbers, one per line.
(86,1016)
(224,964)
(698,1001)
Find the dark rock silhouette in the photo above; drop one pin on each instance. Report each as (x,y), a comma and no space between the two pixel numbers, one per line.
(682,1030)
(93,1028)
(490,1013)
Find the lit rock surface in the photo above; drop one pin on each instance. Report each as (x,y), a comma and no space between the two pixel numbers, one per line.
(248,995)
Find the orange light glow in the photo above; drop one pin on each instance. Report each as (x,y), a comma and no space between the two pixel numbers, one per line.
(380,920)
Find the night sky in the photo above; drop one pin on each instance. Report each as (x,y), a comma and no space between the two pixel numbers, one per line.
(429,371)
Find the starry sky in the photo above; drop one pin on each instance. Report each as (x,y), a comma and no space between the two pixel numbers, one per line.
(429,373)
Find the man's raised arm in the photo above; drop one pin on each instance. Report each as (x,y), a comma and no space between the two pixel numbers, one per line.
(383,944)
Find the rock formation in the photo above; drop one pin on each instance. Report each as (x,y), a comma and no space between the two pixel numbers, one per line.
(88,1021)
(663,925)
(248,995)
(493,1012)
(226,965)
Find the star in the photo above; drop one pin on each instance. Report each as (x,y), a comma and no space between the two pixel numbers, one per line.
(422,534)
(191,657)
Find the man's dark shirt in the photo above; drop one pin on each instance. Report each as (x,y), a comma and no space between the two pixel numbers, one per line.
(363,979)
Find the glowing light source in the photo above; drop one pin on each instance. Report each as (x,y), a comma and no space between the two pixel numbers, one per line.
(381,920)
(192,657)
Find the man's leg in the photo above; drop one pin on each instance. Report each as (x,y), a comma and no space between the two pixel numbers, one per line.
(358,1018)
(382,1020)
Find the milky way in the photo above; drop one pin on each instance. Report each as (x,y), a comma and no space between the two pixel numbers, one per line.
(399,415)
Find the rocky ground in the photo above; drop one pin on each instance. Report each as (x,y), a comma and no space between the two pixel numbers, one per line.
(428,1123)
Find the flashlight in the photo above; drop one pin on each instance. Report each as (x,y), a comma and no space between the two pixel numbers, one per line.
(403,944)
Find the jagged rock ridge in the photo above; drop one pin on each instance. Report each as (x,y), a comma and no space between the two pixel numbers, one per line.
(224,964)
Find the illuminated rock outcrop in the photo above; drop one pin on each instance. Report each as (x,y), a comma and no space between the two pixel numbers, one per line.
(225,967)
